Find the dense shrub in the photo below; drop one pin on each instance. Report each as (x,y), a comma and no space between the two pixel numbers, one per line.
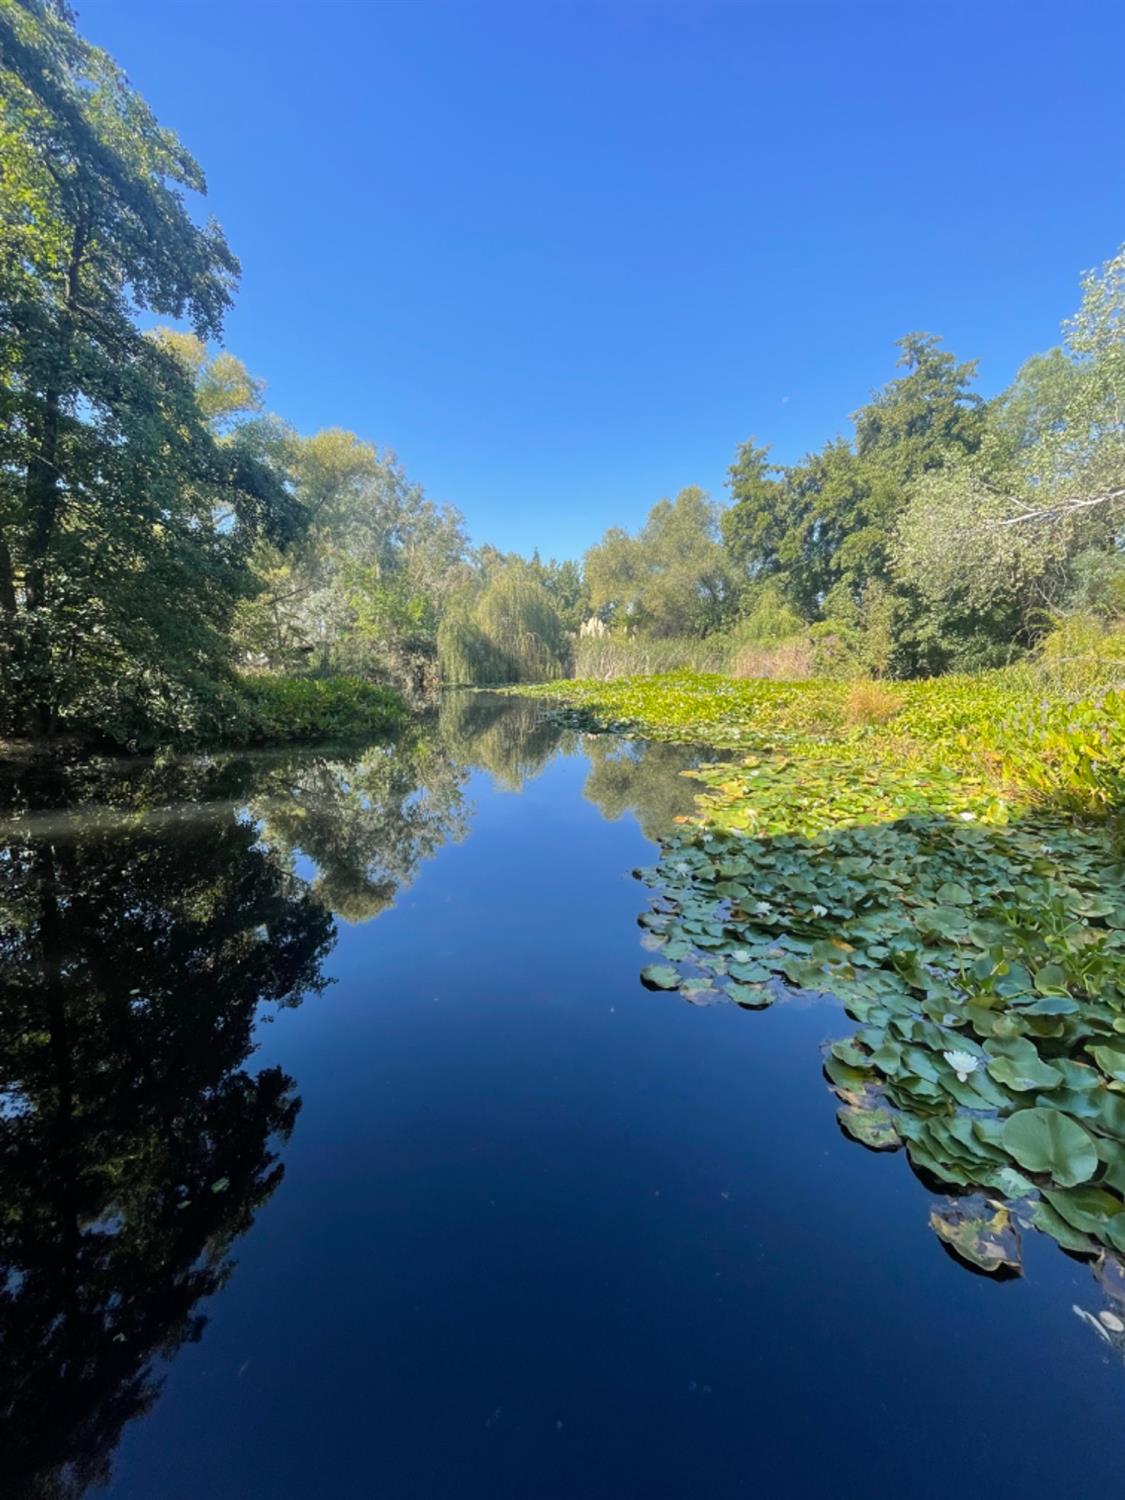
(1082,653)
(313,708)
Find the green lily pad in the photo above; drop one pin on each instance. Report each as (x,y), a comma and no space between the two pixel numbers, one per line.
(660,977)
(1052,1223)
(1046,1140)
(1024,1076)
(1087,1208)
(873,1128)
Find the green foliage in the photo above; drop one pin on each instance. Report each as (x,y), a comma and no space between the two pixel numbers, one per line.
(364,590)
(820,531)
(1021,524)
(671,579)
(510,631)
(129,501)
(278,709)
(767,618)
(1082,653)
(995,740)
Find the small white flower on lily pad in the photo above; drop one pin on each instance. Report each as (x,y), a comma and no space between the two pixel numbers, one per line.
(962,1063)
(967,817)
(820,911)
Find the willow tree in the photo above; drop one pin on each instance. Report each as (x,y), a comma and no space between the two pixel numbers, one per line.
(509,631)
(126,524)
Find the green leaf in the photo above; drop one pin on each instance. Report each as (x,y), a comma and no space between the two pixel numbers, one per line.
(952,894)
(1045,1140)
(660,977)
(1024,1075)
(874,1128)
(1052,1223)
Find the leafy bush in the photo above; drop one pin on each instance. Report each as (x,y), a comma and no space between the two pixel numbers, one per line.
(1071,754)
(314,708)
(1082,653)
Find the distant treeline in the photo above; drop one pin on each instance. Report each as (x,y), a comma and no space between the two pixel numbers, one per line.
(163,536)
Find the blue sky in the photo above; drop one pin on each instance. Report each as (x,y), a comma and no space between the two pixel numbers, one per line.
(563,258)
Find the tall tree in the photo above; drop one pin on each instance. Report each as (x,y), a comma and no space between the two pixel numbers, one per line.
(365,588)
(1023,520)
(126,523)
(822,529)
(672,578)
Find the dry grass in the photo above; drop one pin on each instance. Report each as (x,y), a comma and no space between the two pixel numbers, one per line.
(871,703)
(791,661)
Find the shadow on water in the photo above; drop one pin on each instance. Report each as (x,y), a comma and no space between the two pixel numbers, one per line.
(151,913)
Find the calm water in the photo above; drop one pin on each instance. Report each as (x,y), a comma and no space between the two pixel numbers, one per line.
(343,1154)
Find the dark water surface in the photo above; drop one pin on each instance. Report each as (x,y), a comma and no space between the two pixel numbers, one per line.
(344,1155)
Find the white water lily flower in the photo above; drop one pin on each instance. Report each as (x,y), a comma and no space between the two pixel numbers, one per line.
(820,911)
(967,817)
(962,1063)
(741,955)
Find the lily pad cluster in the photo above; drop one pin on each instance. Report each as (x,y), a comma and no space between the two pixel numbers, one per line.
(985,966)
(1004,731)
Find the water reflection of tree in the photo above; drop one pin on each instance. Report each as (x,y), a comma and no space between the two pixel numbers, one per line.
(135,1144)
(646,779)
(146,915)
(366,823)
(510,738)
(514,738)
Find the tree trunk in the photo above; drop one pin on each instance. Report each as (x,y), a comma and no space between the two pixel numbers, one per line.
(7,578)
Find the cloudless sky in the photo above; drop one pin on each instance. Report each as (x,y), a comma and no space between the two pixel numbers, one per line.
(563,258)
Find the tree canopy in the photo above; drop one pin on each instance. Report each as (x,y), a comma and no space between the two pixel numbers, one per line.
(117,493)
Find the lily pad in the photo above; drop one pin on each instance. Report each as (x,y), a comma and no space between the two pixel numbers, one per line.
(660,977)
(1046,1140)
(979,1233)
(873,1128)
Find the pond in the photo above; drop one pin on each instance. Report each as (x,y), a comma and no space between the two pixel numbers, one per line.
(344,1154)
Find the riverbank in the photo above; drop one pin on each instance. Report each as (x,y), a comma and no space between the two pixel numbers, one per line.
(246,711)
